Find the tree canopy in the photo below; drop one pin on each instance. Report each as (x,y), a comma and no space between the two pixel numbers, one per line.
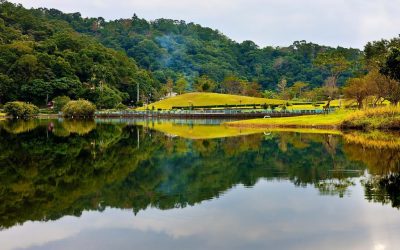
(43,58)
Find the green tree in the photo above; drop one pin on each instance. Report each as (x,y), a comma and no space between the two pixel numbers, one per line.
(204,84)
(358,89)
(107,97)
(181,85)
(334,62)
(391,68)
(298,88)
(169,86)
(232,85)
(59,102)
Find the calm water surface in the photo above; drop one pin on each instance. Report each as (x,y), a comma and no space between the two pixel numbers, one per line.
(194,185)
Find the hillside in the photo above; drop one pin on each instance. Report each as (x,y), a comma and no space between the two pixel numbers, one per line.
(206,99)
(41,58)
(169,48)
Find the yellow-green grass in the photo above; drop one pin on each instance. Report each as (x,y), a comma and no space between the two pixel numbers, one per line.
(331,121)
(387,117)
(205,99)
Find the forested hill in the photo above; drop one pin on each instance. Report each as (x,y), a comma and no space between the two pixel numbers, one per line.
(41,58)
(46,53)
(169,47)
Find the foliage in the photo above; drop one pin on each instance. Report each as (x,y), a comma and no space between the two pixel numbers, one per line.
(106,97)
(374,118)
(282,88)
(391,67)
(42,58)
(79,108)
(358,89)
(121,106)
(383,62)
(170,48)
(20,109)
(181,85)
(204,84)
(59,102)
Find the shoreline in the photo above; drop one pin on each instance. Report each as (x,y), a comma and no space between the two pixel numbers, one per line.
(291,126)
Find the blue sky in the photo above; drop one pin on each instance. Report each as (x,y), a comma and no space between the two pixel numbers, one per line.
(348,23)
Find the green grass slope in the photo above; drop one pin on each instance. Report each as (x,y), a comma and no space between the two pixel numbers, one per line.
(203,99)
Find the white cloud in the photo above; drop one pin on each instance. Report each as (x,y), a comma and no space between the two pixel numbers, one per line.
(348,23)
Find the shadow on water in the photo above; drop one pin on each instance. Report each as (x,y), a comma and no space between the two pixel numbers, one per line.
(53,168)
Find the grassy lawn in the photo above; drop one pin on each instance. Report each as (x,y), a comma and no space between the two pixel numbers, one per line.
(332,120)
(203,99)
(385,118)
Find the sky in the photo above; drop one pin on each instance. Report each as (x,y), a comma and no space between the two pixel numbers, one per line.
(346,23)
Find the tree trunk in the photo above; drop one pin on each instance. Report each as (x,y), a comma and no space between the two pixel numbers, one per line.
(360,103)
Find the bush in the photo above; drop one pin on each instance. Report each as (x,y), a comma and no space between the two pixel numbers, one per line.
(376,118)
(20,109)
(121,106)
(80,108)
(60,102)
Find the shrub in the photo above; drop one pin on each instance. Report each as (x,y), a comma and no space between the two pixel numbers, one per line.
(20,109)
(376,118)
(120,106)
(80,108)
(60,102)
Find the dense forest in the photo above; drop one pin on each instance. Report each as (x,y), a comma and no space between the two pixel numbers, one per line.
(42,58)
(170,48)
(45,53)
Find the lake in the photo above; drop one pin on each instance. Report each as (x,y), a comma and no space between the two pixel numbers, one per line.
(195,184)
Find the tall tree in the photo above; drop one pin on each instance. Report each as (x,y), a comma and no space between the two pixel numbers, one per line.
(391,68)
(169,86)
(181,85)
(282,87)
(232,85)
(334,62)
(298,88)
(357,88)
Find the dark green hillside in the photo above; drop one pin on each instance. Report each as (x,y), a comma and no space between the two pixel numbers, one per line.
(170,47)
(41,58)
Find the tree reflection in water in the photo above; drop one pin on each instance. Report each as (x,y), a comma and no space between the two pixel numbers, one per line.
(50,168)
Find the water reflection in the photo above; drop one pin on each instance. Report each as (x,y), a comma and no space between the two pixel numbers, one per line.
(50,169)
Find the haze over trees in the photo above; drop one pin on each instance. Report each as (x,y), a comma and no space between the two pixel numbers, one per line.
(45,53)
